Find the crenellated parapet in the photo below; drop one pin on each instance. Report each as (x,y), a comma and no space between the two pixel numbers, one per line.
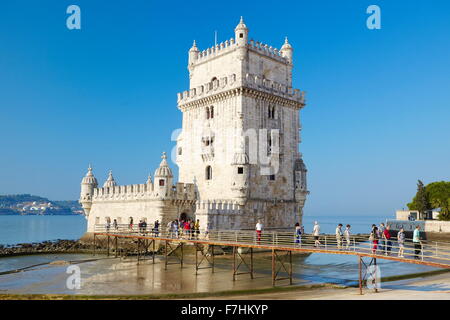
(224,84)
(181,191)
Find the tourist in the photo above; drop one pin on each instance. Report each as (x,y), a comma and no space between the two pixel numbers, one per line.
(339,236)
(130,224)
(192,227)
(144,227)
(417,243)
(380,236)
(401,242)
(387,239)
(374,236)
(108,224)
(259,227)
(176,228)
(347,236)
(197,228)
(298,234)
(115,225)
(169,228)
(187,229)
(156,228)
(316,233)
(140,226)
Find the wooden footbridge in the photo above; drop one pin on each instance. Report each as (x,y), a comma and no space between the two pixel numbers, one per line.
(281,245)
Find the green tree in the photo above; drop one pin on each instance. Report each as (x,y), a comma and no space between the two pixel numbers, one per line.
(434,195)
(439,195)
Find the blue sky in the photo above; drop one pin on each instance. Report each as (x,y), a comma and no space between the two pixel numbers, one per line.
(378,100)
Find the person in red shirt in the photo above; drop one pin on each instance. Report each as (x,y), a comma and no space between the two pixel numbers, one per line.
(187,229)
(387,237)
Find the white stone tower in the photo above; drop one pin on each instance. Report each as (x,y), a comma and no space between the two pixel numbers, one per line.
(240,135)
(88,184)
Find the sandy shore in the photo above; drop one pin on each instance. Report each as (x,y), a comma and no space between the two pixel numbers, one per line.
(430,288)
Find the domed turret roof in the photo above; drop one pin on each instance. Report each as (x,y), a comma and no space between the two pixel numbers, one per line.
(194,47)
(286,45)
(163,170)
(89,178)
(110,182)
(300,165)
(241,25)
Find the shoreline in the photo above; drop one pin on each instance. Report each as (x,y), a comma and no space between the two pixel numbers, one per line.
(310,291)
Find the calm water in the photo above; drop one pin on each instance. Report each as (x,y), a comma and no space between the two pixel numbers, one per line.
(26,229)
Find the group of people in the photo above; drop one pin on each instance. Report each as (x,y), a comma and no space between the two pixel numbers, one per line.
(181,228)
(381,238)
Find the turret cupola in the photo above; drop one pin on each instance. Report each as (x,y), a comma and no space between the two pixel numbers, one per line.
(163,177)
(193,54)
(241,33)
(88,184)
(287,50)
(110,182)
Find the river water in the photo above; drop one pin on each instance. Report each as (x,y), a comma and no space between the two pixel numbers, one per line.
(125,276)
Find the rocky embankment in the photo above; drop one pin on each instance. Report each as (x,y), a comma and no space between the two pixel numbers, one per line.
(57,246)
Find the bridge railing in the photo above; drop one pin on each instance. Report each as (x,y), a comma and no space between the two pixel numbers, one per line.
(427,251)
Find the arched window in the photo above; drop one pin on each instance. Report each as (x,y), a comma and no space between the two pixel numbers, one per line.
(161,182)
(207,113)
(208,173)
(211,112)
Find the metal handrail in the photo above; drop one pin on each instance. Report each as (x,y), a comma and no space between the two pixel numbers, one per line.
(429,251)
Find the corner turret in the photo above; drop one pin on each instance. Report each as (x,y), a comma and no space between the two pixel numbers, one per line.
(241,33)
(287,51)
(193,55)
(88,184)
(110,182)
(163,178)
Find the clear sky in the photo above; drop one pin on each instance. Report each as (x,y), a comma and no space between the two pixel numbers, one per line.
(378,101)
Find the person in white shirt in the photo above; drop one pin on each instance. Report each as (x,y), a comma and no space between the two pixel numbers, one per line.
(259,227)
(347,236)
(339,236)
(316,233)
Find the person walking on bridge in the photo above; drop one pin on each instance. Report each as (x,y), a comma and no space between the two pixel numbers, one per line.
(339,236)
(374,238)
(380,236)
(388,242)
(417,242)
(115,225)
(259,227)
(156,228)
(401,242)
(347,236)
(298,234)
(316,233)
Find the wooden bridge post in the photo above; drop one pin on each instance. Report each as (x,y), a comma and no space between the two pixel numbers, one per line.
(154,252)
(165,254)
(251,262)
(115,246)
(138,252)
(181,262)
(360,275)
(234,263)
(290,267)
(273,267)
(107,247)
(375,264)
(212,257)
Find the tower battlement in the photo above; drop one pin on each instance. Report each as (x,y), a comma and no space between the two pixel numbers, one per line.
(250,81)
(180,191)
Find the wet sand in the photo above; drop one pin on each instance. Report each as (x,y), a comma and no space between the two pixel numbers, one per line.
(430,288)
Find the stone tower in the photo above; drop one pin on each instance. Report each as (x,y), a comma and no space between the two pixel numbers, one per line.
(240,135)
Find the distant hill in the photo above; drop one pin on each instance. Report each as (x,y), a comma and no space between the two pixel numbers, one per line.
(27,204)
